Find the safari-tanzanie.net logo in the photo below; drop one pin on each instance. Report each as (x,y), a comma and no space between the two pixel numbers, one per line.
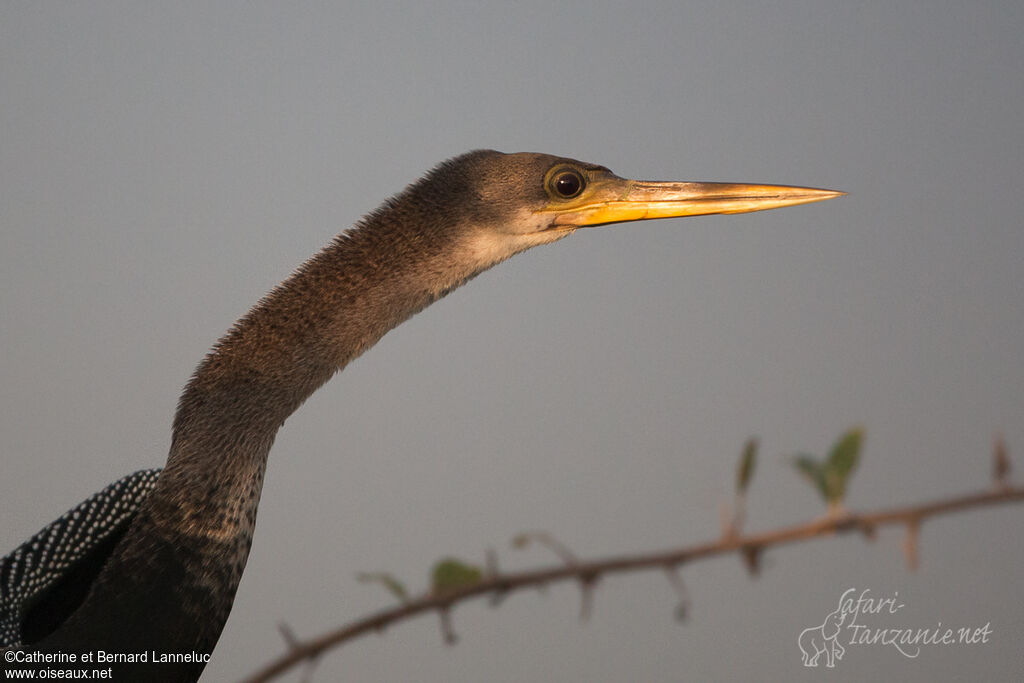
(861,619)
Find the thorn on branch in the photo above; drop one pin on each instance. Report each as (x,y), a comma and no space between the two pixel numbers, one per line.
(1000,463)
(288,634)
(492,572)
(752,559)
(910,544)
(587,583)
(675,579)
(293,645)
(447,632)
(498,596)
(491,564)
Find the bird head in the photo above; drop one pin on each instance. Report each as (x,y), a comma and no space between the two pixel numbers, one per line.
(516,201)
(480,208)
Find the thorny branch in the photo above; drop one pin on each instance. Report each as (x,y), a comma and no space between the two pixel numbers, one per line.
(747,546)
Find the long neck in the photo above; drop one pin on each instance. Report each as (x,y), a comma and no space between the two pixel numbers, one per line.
(172,579)
(334,307)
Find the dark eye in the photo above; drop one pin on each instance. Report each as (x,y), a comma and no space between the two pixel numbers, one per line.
(567,184)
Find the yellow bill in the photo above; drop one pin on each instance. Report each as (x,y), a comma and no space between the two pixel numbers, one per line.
(610,199)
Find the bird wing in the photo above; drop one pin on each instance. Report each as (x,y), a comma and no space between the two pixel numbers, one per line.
(45,579)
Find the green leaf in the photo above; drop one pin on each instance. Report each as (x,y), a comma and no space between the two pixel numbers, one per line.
(846,451)
(842,460)
(813,471)
(745,471)
(450,575)
(393,585)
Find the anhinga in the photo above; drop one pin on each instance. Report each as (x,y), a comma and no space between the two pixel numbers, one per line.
(151,563)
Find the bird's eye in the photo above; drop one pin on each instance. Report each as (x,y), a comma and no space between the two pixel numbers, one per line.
(567,184)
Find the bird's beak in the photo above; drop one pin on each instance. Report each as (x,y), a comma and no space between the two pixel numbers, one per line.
(614,200)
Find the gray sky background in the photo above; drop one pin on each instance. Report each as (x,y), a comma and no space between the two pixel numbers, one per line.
(162,167)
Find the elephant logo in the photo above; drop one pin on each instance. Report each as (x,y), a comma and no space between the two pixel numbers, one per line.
(823,640)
